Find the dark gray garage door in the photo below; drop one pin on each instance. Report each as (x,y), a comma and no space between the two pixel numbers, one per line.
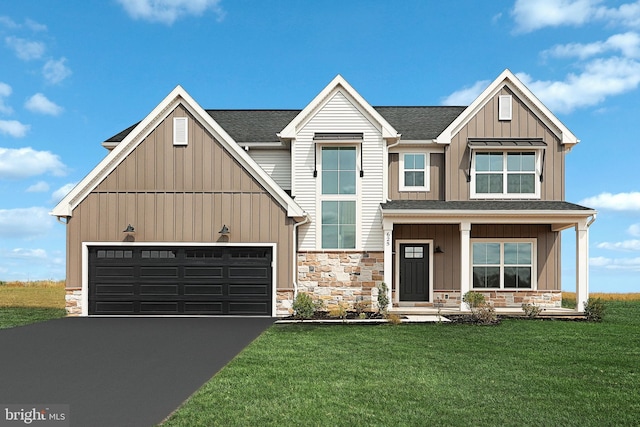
(180,280)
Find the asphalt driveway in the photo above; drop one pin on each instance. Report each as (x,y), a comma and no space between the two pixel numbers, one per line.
(118,371)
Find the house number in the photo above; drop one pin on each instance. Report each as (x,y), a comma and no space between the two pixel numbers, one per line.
(388,238)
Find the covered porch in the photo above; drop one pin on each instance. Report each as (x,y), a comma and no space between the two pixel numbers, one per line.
(437,251)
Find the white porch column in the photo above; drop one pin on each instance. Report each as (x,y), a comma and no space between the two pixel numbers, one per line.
(582,264)
(387,226)
(465,261)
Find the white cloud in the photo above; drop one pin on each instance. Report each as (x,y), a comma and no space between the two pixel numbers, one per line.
(628,44)
(22,253)
(61,192)
(25,222)
(38,187)
(34,26)
(16,163)
(634,230)
(13,128)
(466,95)
(616,202)
(25,49)
(598,80)
(56,71)
(39,103)
(533,15)
(169,11)
(8,22)
(626,245)
(5,91)
(629,264)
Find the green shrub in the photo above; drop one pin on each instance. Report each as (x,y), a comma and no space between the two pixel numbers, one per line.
(594,309)
(531,310)
(360,306)
(304,306)
(383,298)
(339,311)
(473,299)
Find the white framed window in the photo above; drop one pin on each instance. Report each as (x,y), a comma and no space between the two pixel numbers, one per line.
(414,171)
(505,174)
(506,264)
(338,197)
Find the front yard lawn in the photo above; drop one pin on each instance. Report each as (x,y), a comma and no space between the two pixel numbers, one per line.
(522,372)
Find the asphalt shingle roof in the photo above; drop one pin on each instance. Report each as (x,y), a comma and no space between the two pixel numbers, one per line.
(497,205)
(414,123)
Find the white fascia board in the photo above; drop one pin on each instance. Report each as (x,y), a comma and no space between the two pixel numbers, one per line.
(177,97)
(291,130)
(507,78)
(487,216)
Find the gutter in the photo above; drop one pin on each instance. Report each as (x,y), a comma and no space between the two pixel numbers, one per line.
(307,220)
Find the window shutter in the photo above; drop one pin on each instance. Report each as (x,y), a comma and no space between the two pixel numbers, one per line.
(180,131)
(504,107)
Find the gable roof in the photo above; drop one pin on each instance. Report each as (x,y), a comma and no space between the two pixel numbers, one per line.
(136,135)
(508,79)
(414,123)
(338,84)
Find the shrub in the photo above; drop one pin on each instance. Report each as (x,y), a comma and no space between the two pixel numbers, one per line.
(473,299)
(531,310)
(360,307)
(304,306)
(394,318)
(383,298)
(339,311)
(594,309)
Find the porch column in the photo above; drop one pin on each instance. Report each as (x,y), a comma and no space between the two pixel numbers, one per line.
(465,261)
(582,264)
(387,226)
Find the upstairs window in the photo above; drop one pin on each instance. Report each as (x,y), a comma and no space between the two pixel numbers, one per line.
(338,198)
(505,174)
(414,172)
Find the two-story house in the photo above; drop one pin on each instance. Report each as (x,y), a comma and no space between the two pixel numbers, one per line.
(199,212)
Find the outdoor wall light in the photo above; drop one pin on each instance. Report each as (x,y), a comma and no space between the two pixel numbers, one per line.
(129,229)
(224,230)
(438,250)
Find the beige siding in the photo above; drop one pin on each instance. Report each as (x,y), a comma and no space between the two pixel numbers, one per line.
(446,266)
(180,194)
(524,124)
(436,177)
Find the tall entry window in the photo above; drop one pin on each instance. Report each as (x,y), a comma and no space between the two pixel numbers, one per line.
(338,197)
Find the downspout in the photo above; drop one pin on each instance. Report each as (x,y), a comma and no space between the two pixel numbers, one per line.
(307,219)
(593,218)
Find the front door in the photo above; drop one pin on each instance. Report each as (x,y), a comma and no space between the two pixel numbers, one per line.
(414,272)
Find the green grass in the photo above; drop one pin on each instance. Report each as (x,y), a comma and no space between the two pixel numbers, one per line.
(520,373)
(24,303)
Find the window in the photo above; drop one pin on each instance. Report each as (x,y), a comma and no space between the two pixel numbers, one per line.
(511,174)
(338,197)
(502,265)
(414,172)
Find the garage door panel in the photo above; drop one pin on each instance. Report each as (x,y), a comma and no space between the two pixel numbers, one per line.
(182,280)
(115,289)
(203,290)
(159,289)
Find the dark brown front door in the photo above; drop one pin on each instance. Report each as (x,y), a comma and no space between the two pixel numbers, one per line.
(414,272)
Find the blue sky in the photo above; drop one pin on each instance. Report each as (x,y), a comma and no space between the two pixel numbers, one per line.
(74,73)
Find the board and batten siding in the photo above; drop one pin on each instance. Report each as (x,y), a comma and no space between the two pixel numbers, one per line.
(180,194)
(446,266)
(340,115)
(276,163)
(524,124)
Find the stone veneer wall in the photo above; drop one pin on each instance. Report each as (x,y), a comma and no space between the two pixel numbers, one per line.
(73,302)
(499,298)
(341,277)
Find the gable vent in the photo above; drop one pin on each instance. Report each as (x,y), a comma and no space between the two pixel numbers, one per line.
(504,107)
(180,131)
